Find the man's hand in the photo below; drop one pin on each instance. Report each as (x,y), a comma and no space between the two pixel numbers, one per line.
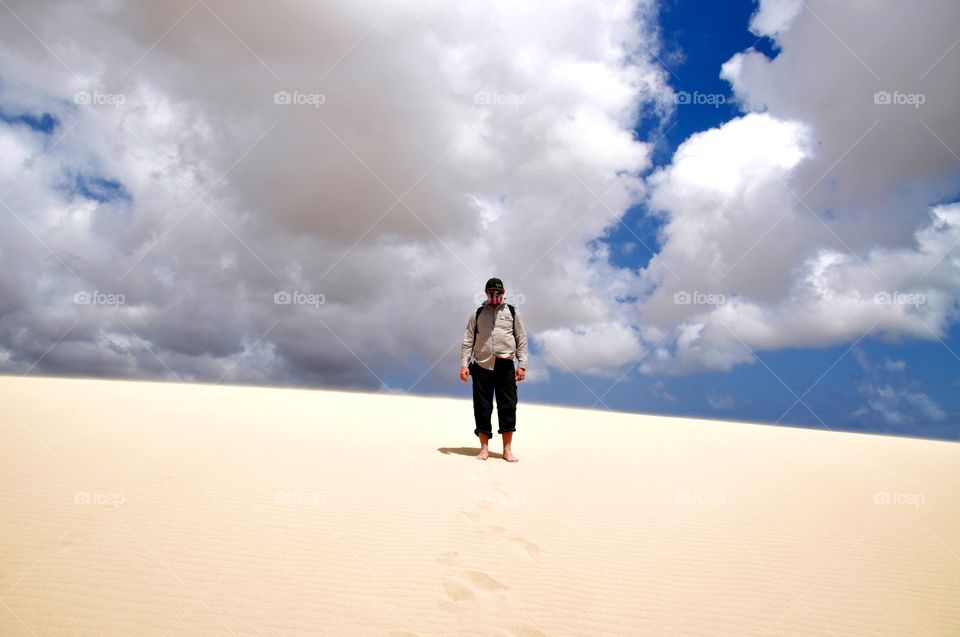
(464,372)
(521,374)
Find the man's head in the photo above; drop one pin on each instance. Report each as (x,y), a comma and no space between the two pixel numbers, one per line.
(495,291)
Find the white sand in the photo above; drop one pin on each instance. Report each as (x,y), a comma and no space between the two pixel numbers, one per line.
(135,508)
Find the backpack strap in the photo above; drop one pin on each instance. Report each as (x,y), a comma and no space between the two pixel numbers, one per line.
(513,313)
(475,329)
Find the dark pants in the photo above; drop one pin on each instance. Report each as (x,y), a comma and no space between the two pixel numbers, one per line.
(502,381)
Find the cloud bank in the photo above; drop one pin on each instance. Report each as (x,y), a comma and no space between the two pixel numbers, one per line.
(825,213)
(314,194)
(371,163)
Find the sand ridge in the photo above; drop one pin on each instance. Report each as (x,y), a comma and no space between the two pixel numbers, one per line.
(150,508)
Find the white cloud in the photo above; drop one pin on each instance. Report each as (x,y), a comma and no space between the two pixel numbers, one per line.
(817,218)
(891,396)
(894,365)
(508,136)
(898,406)
(720,400)
(596,349)
(774,16)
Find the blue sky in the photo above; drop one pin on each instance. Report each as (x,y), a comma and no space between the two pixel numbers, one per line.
(707,34)
(807,387)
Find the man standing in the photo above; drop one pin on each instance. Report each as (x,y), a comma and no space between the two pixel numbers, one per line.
(495,336)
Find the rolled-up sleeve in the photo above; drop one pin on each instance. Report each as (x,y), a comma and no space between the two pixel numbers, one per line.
(521,339)
(466,348)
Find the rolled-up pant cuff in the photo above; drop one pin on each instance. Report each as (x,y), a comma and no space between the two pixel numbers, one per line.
(489,434)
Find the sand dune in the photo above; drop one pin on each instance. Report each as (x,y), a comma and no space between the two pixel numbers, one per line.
(136,508)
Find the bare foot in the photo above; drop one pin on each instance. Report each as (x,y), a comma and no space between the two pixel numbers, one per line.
(484,454)
(509,457)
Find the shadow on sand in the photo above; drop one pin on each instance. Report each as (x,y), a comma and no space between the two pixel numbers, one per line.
(468,451)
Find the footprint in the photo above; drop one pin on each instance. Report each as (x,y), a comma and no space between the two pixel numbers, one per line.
(524,631)
(526,548)
(530,547)
(477,518)
(471,589)
(459,591)
(448,558)
(466,589)
(484,581)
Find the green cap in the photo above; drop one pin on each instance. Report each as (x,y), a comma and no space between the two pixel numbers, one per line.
(494,284)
